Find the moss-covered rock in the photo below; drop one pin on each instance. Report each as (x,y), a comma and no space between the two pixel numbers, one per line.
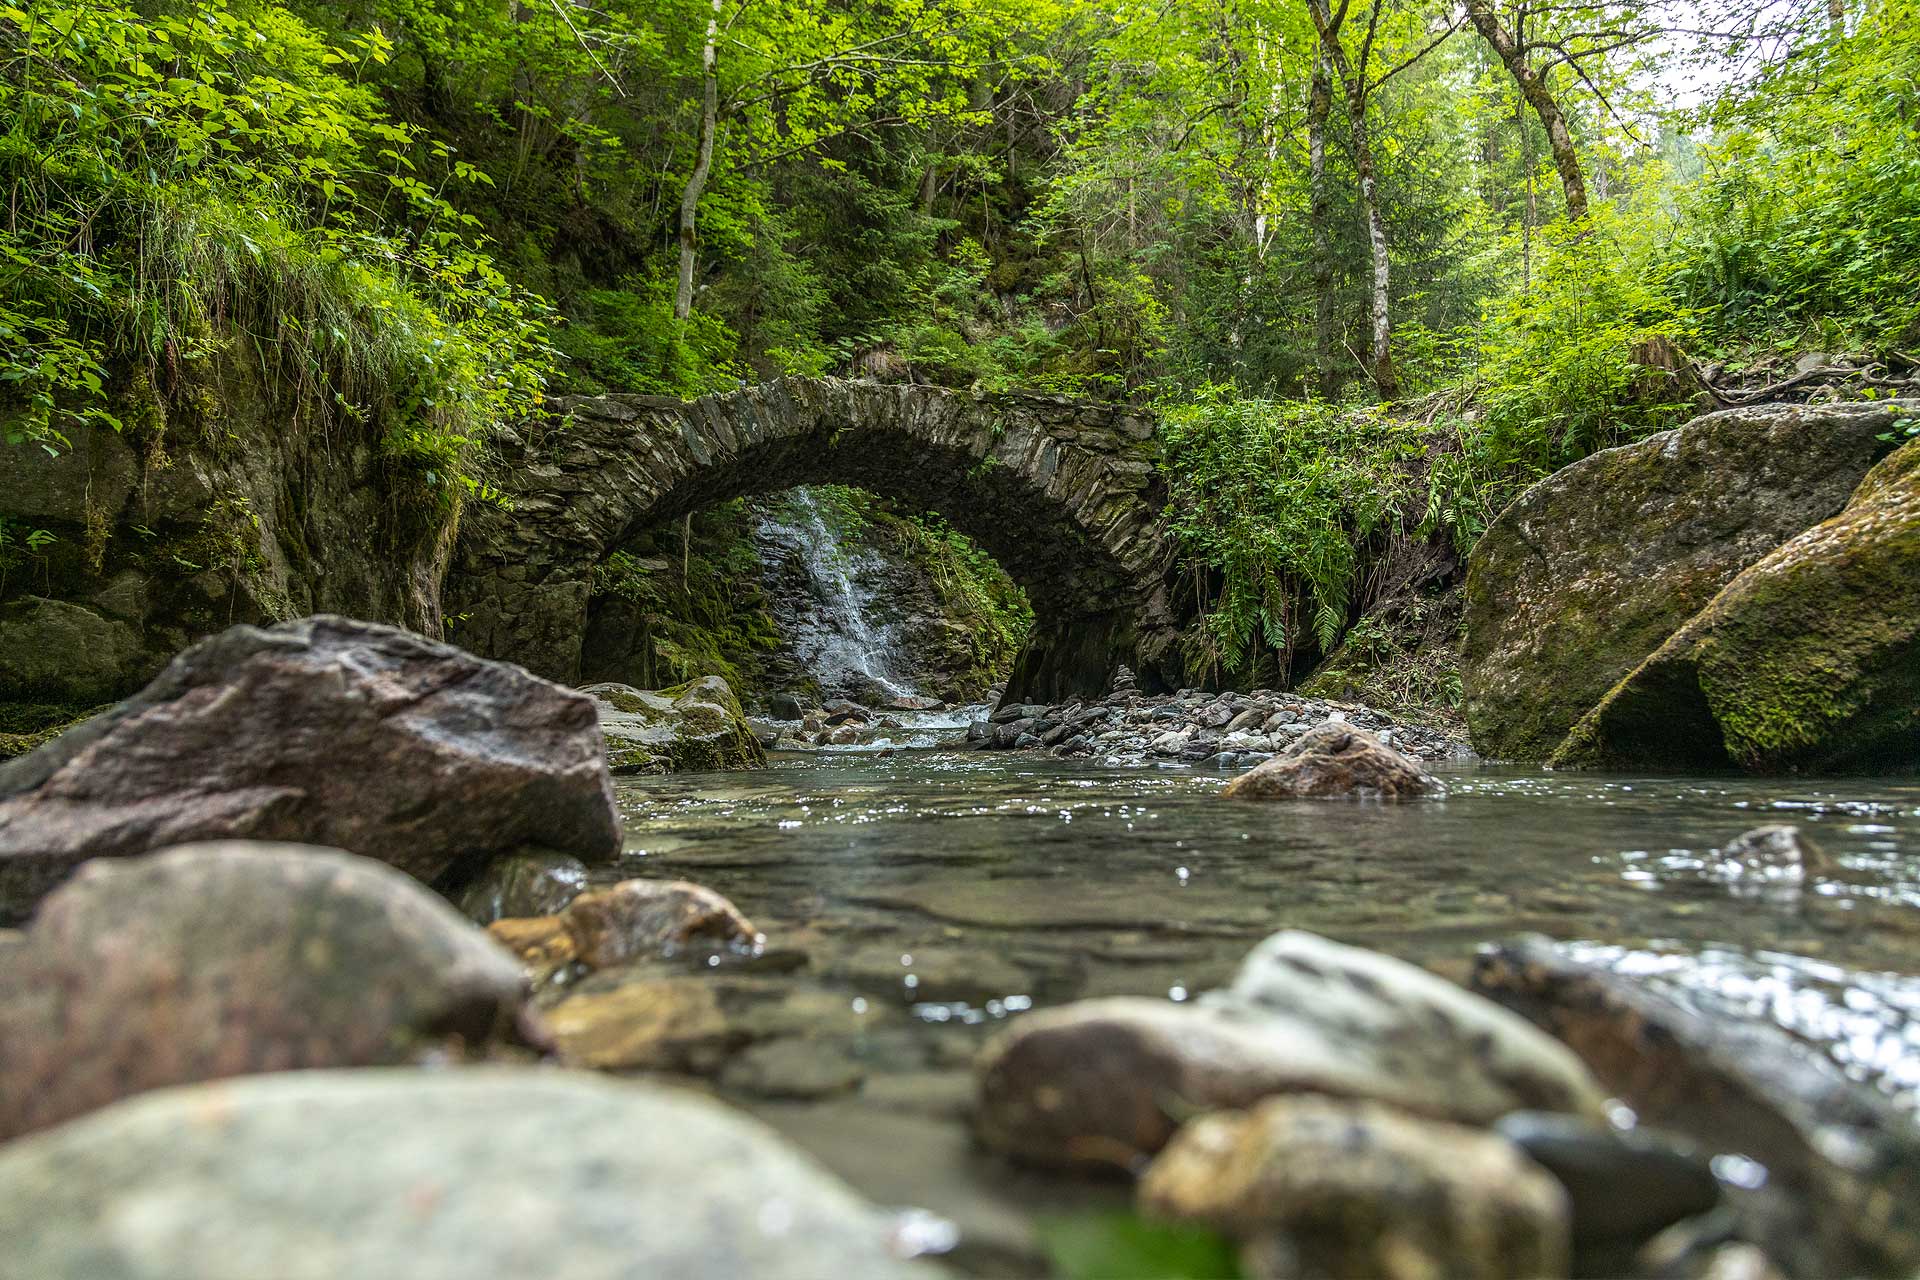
(1592,569)
(688,728)
(1810,659)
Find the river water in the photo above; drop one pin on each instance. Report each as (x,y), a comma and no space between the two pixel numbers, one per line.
(913,903)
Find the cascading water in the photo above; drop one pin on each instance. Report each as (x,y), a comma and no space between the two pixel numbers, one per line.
(831,629)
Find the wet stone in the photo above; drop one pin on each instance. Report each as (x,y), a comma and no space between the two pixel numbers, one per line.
(1324,1187)
(793,1067)
(1622,1185)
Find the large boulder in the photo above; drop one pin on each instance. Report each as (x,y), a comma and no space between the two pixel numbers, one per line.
(229,958)
(476,1174)
(1358,1191)
(1335,759)
(1808,660)
(1109,1080)
(689,728)
(1592,569)
(328,731)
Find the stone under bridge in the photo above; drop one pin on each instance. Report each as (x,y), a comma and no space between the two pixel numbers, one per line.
(1064,494)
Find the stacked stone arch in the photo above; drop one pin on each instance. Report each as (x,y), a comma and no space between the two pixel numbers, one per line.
(1064,494)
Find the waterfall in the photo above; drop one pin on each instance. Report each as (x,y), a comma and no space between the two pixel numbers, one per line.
(830,629)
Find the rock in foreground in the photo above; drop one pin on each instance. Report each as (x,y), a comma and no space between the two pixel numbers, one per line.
(1592,569)
(689,728)
(326,731)
(1335,759)
(1108,1081)
(1843,1163)
(230,958)
(481,1174)
(1320,1187)
(1808,660)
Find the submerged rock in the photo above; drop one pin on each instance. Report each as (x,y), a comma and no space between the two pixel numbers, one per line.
(691,727)
(1809,659)
(1109,1080)
(1591,570)
(1841,1178)
(326,730)
(537,882)
(229,958)
(478,1174)
(1359,1191)
(1335,759)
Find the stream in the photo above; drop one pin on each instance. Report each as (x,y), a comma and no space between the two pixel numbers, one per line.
(912,903)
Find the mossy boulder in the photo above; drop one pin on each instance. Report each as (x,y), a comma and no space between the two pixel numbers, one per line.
(687,728)
(1591,570)
(1810,659)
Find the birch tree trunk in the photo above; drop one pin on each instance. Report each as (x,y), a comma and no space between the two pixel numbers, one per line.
(1533,87)
(702,165)
(1353,81)
(1319,214)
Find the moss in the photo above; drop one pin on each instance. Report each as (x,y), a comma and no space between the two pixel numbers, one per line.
(1809,659)
(25,726)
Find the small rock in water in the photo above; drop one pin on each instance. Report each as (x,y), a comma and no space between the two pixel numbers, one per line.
(1326,1187)
(1336,759)
(536,882)
(784,706)
(1623,1186)
(639,918)
(1773,857)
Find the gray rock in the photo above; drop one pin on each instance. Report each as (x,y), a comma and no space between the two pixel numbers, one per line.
(1591,570)
(1320,1187)
(690,727)
(784,706)
(64,652)
(329,731)
(1623,1185)
(1843,1164)
(229,958)
(481,1174)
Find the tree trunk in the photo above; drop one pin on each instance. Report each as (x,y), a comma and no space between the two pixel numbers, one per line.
(1384,379)
(1319,213)
(702,165)
(1533,87)
(1353,80)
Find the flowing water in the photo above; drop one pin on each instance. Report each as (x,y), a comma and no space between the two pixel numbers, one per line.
(914,903)
(830,631)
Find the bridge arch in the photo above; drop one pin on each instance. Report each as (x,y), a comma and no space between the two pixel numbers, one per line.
(1063,493)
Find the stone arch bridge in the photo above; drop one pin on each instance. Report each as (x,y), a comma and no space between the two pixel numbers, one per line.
(1064,494)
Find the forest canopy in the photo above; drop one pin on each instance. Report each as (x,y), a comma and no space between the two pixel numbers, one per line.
(1377,263)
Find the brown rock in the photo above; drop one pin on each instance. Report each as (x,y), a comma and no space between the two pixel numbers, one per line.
(542,943)
(1319,1187)
(226,959)
(638,918)
(1335,759)
(327,731)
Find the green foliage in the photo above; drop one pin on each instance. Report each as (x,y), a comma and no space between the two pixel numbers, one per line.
(628,340)
(1805,222)
(190,176)
(1276,502)
(1093,1246)
(1562,354)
